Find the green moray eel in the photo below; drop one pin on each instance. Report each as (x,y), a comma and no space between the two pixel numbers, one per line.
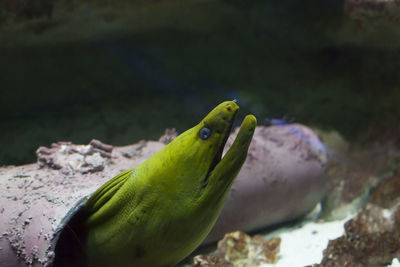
(158,212)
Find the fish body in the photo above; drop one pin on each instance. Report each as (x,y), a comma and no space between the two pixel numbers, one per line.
(159,212)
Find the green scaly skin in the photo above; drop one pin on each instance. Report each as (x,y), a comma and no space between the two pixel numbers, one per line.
(159,212)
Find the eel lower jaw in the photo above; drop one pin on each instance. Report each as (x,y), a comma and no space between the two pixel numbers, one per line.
(218,155)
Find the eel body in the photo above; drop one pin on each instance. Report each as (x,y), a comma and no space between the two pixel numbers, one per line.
(158,212)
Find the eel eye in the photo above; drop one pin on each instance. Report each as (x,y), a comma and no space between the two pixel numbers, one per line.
(205,133)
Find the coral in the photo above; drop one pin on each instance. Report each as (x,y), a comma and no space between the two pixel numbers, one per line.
(239,249)
(386,192)
(168,136)
(74,158)
(372,238)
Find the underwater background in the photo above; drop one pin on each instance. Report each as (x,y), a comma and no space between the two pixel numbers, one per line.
(121,71)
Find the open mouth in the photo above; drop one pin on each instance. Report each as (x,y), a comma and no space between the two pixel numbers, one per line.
(218,155)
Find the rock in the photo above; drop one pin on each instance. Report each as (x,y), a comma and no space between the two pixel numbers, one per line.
(352,176)
(239,249)
(35,198)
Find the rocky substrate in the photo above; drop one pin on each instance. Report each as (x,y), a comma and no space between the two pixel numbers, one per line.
(358,223)
(37,199)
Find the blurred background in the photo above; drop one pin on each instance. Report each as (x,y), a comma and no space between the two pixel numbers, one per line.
(125,70)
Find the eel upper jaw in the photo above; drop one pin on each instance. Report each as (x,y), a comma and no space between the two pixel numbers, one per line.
(218,155)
